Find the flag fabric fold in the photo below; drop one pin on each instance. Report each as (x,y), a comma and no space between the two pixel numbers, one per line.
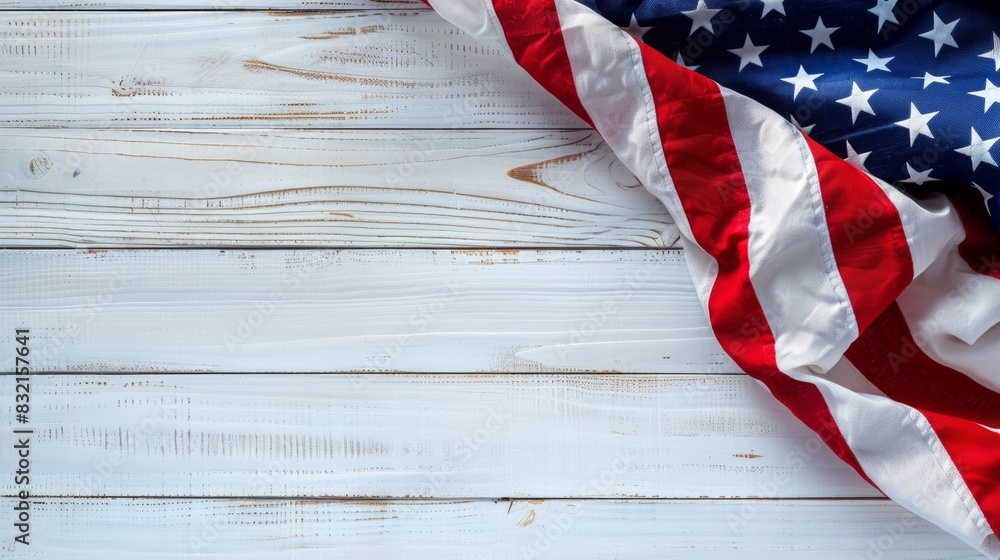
(904,89)
(869,312)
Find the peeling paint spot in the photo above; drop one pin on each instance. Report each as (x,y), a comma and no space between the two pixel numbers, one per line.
(528,519)
(747,455)
(135,88)
(348,32)
(39,166)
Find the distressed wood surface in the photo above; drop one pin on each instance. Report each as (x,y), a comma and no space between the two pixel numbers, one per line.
(210,4)
(426,436)
(281,311)
(297,187)
(274,69)
(128,123)
(309,529)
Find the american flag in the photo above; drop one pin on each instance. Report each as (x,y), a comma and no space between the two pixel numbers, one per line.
(908,90)
(872,313)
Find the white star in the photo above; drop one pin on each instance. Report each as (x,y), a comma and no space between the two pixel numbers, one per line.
(802,80)
(986,195)
(883,9)
(804,129)
(701,17)
(932,79)
(749,53)
(680,61)
(875,63)
(991,95)
(858,101)
(856,159)
(820,35)
(773,6)
(918,177)
(994,53)
(941,34)
(979,150)
(634,29)
(917,123)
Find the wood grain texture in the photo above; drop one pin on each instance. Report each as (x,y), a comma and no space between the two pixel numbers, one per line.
(426,436)
(133,126)
(274,69)
(307,530)
(297,187)
(358,310)
(210,4)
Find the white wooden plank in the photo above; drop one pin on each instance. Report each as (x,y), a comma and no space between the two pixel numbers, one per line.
(303,530)
(209,4)
(357,310)
(282,187)
(429,436)
(277,69)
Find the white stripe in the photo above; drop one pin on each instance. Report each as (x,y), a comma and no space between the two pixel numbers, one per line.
(611,83)
(475,17)
(953,313)
(620,103)
(792,266)
(848,377)
(899,451)
(930,225)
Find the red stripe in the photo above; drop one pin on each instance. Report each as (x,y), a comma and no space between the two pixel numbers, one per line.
(981,247)
(534,34)
(889,356)
(954,405)
(975,451)
(869,243)
(706,171)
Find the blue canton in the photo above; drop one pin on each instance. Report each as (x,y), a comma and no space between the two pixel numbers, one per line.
(908,90)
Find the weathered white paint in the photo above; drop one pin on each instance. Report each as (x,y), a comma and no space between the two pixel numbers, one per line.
(199,436)
(111,529)
(428,436)
(295,187)
(275,69)
(211,4)
(276,310)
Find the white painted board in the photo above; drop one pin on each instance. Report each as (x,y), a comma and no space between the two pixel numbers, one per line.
(114,529)
(129,69)
(419,436)
(179,310)
(269,187)
(210,4)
